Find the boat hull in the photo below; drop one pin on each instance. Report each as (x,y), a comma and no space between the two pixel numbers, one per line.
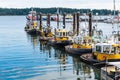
(45,38)
(60,43)
(103,57)
(78,51)
(33,32)
(88,58)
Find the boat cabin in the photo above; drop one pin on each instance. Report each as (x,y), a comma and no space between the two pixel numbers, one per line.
(103,51)
(82,40)
(61,35)
(107,48)
(116,36)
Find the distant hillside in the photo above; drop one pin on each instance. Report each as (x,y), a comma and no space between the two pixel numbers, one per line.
(15,11)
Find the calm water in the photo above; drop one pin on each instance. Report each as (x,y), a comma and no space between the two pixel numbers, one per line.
(23,57)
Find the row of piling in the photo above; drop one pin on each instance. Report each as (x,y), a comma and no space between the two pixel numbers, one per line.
(76,21)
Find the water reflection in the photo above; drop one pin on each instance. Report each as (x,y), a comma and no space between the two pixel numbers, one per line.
(84,71)
(57,62)
(33,39)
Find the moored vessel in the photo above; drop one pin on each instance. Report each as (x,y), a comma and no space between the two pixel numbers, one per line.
(31,24)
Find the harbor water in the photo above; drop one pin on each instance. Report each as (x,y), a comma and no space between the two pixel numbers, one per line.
(24,57)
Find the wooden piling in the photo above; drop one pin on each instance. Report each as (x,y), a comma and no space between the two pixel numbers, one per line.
(90,24)
(74,23)
(78,14)
(40,27)
(64,20)
(57,20)
(48,20)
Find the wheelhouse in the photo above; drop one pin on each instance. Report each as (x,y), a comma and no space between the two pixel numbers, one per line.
(62,33)
(107,48)
(106,51)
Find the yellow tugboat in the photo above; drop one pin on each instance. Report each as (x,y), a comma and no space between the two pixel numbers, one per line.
(109,50)
(83,42)
(61,38)
(103,51)
(46,34)
(31,25)
(80,46)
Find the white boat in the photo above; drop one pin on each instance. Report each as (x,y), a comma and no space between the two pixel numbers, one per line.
(115,19)
(68,18)
(31,24)
(111,71)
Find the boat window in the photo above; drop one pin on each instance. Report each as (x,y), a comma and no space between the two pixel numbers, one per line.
(84,41)
(60,33)
(118,38)
(67,33)
(63,33)
(106,49)
(113,50)
(98,48)
(119,50)
(57,33)
(89,41)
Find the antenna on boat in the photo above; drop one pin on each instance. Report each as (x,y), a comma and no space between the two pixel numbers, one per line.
(114,8)
(96,19)
(32,9)
(58,12)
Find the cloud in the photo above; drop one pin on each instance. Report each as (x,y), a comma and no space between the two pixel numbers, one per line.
(93,4)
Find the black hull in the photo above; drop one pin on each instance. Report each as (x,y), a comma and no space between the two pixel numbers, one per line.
(87,58)
(59,44)
(33,32)
(45,38)
(77,51)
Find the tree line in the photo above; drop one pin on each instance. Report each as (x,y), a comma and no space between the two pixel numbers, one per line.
(24,11)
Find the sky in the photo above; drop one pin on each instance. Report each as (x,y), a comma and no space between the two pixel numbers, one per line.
(91,4)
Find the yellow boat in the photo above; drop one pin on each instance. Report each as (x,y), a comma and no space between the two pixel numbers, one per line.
(84,43)
(106,51)
(61,38)
(31,24)
(81,45)
(46,34)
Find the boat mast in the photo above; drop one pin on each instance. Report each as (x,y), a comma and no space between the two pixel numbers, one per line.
(32,8)
(32,13)
(114,6)
(58,18)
